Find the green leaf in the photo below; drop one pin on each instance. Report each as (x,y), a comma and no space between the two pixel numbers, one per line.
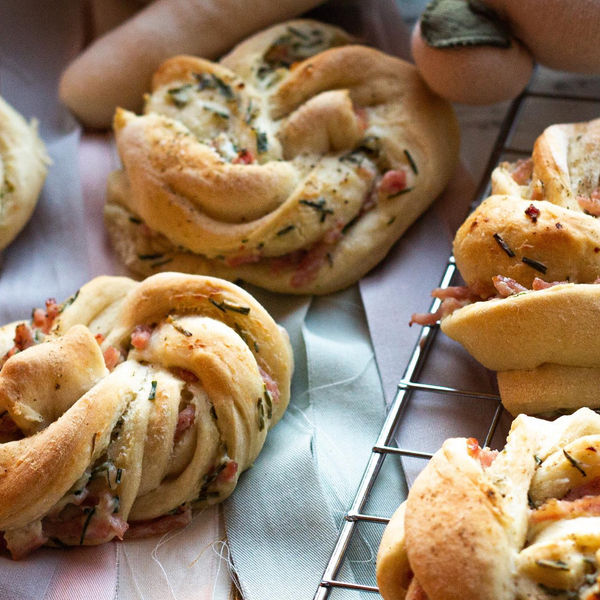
(452,23)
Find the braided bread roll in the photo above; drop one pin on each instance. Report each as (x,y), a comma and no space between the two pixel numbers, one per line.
(23,168)
(132,403)
(539,230)
(483,525)
(294,163)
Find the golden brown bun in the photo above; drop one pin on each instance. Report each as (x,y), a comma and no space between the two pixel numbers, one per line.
(537,225)
(478,574)
(566,161)
(563,238)
(479,527)
(549,388)
(564,241)
(473,75)
(116,70)
(197,374)
(345,150)
(393,571)
(35,402)
(23,167)
(542,343)
(525,330)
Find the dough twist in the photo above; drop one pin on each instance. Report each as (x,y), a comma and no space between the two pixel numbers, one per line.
(132,403)
(483,525)
(294,163)
(535,245)
(23,168)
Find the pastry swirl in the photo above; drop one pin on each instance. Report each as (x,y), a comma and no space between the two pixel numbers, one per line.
(532,251)
(483,525)
(132,403)
(294,163)
(23,168)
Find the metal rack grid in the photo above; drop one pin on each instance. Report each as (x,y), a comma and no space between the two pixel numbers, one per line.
(408,384)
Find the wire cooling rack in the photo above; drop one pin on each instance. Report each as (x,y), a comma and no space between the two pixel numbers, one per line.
(409,384)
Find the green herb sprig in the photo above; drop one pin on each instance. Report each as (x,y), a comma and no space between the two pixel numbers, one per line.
(286,230)
(261,414)
(400,193)
(179,328)
(500,241)
(319,206)
(558,565)
(224,306)
(180,96)
(349,224)
(575,463)
(534,264)
(69,301)
(213,82)
(411,161)
(90,515)
(262,144)
(156,256)
(268,402)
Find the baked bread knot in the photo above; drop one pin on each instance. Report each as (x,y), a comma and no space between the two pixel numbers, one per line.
(522,523)
(130,404)
(294,163)
(534,248)
(23,167)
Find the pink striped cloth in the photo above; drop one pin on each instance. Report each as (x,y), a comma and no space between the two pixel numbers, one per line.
(85,573)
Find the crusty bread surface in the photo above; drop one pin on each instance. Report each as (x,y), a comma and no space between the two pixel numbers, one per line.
(294,163)
(539,228)
(23,167)
(132,403)
(482,525)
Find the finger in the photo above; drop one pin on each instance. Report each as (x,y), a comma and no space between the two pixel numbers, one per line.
(117,68)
